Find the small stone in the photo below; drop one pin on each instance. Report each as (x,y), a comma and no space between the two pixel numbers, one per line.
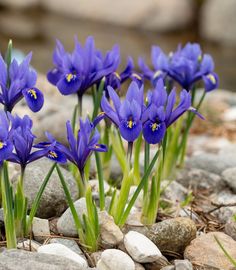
(224,213)
(159,264)
(140,248)
(200,179)
(40,228)
(229,114)
(205,251)
(19,259)
(229,176)
(134,217)
(65,224)
(172,234)
(28,245)
(230,228)
(61,250)
(71,244)
(115,259)
(94,183)
(174,191)
(183,265)
(110,233)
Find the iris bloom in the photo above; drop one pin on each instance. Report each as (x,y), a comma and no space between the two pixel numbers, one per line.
(18,82)
(115,79)
(161,112)
(186,66)
(80,146)
(126,115)
(160,63)
(77,71)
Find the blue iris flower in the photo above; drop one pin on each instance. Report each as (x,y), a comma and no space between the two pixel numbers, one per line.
(17,139)
(161,112)
(77,71)
(126,115)
(186,66)
(17,82)
(115,79)
(80,146)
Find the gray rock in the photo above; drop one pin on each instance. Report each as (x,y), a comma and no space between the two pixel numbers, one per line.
(174,191)
(115,259)
(229,176)
(158,264)
(205,251)
(224,214)
(172,235)
(71,244)
(53,201)
(65,224)
(200,179)
(1,217)
(19,260)
(230,228)
(110,233)
(40,228)
(140,248)
(65,252)
(216,17)
(183,265)
(212,162)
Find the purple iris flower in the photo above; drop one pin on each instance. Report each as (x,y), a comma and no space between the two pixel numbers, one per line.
(115,79)
(77,71)
(186,66)
(18,81)
(126,115)
(80,147)
(160,62)
(161,112)
(6,145)
(16,140)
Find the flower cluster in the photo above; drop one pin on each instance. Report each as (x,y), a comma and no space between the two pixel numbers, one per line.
(153,117)
(186,66)
(17,139)
(18,81)
(78,71)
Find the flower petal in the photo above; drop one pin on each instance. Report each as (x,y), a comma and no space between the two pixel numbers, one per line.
(34,98)
(153,132)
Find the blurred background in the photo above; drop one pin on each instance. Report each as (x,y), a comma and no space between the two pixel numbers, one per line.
(134,24)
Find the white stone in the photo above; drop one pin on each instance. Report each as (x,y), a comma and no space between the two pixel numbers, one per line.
(230,114)
(110,233)
(40,228)
(114,259)
(140,248)
(29,245)
(61,250)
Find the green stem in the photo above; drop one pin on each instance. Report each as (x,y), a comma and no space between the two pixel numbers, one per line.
(146,164)
(76,218)
(100,181)
(80,104)
(129,153)
(97,97)
(137,150)
(37,199)
(138,190)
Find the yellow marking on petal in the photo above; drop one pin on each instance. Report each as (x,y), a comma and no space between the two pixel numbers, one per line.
(211,78)
(69,77)
(154,126)
(101,113)
(117,75)
(157,74)
(2,145)
(96,146)
(135,75)
(52,154)
(130,123)
(199,58)
(32,93)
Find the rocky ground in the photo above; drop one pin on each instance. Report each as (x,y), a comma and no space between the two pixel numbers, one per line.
(184,235)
